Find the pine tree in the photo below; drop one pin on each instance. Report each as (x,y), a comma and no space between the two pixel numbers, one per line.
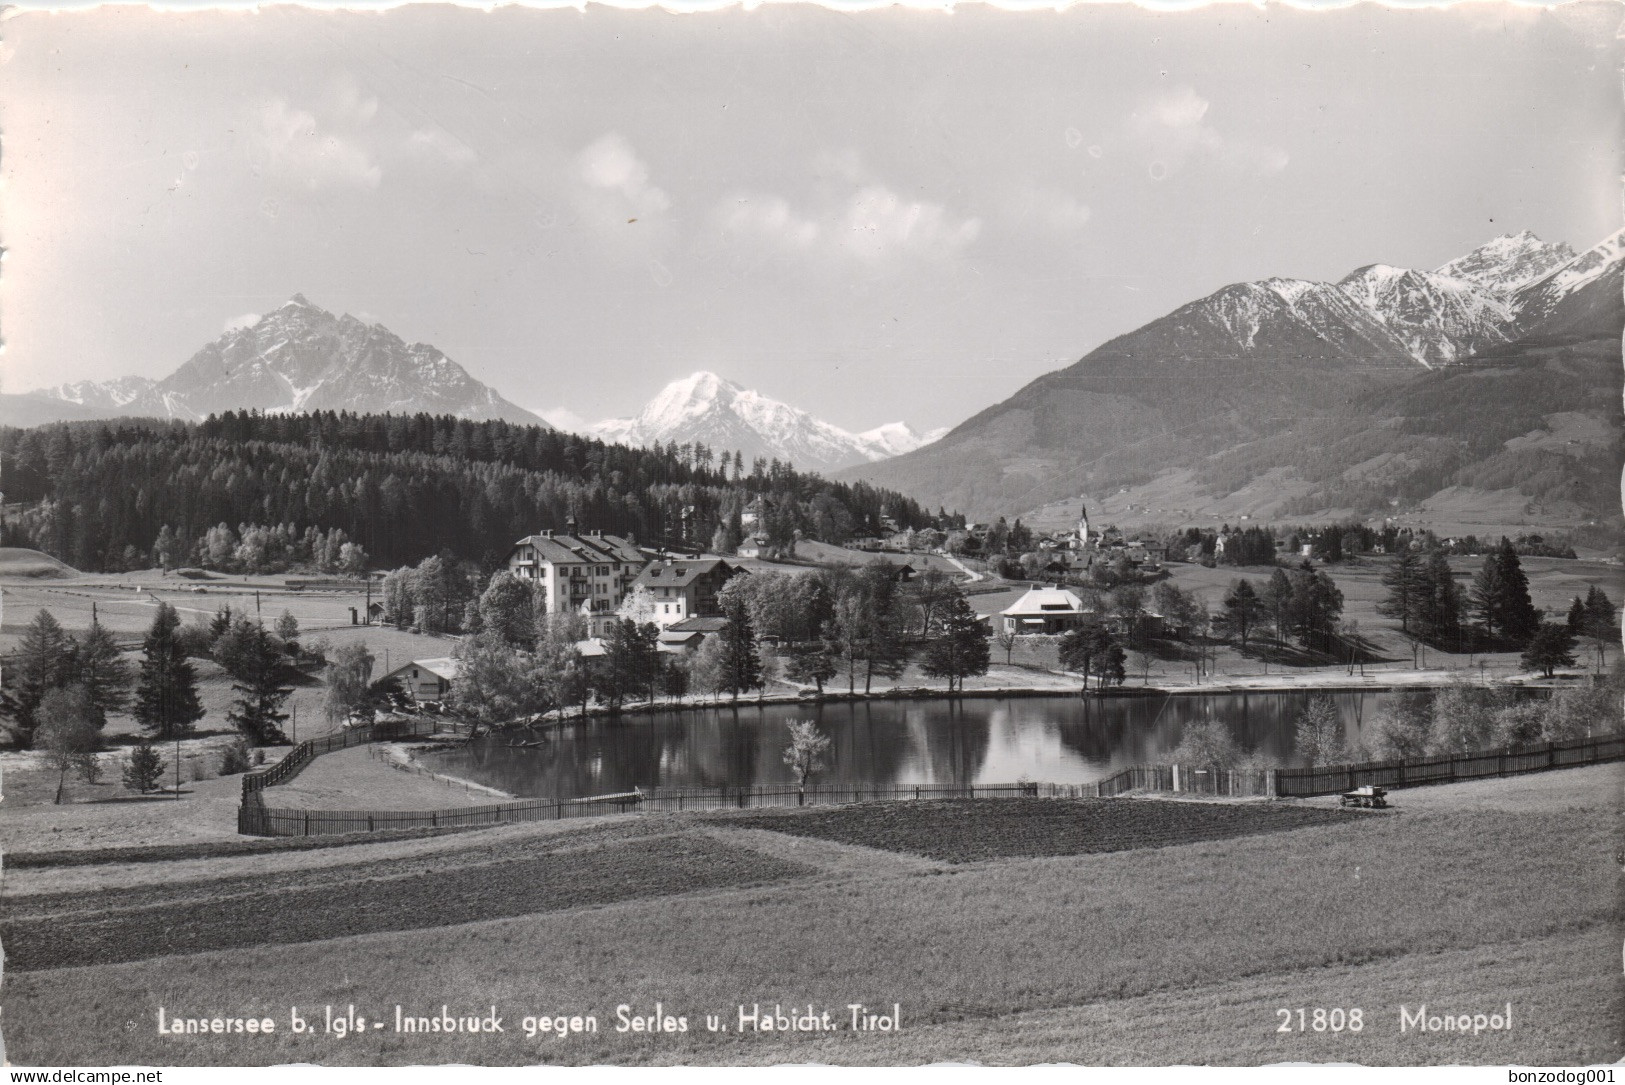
(1600,625)
(261,692)
(1488,595)
(1438,615)
(741,665)
(166,700)
(145,768)
(99,666)
(1405,579)
(43,662)
(1520,620)
(960,649)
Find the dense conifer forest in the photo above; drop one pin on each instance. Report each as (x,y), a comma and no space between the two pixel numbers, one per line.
(133,493)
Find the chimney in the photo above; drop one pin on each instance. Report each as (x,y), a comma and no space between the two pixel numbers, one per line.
(547,533)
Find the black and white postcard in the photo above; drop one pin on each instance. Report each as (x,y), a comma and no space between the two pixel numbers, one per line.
(791,535)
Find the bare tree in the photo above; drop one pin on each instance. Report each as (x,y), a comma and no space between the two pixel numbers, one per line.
(805,754)
(1006,639)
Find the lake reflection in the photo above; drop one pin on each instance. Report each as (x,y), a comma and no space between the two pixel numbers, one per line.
(979,741)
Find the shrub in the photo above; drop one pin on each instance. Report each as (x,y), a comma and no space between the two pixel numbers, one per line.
(235,759)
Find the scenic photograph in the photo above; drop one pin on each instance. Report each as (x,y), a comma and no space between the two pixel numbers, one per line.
(796,536)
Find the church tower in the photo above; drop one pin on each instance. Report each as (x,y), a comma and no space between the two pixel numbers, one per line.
(1083,526)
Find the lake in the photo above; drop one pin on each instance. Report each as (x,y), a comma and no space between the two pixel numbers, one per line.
(976,741)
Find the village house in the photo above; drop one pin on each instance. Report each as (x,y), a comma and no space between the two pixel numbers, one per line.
(425,679)
(589,574)
(690,633)
(1044,610)
(684,587)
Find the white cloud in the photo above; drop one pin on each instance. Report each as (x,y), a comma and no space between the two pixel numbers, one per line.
(609,164)
(1060,210)
(247,320)
(1171,126)
(437,141)
(290,143)
(872,225)
(564,418)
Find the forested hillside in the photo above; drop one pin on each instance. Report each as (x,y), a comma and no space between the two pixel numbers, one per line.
(99,495)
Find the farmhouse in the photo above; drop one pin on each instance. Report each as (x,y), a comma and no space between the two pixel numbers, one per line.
(690,633)
(425,679)
(684,587)
(589,574)
(1044,610)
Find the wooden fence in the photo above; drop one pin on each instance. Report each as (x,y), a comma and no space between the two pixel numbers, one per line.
(255,819)
(1196,780)
(722,798)
(1329,779)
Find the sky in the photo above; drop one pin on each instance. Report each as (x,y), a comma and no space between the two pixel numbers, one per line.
(874,216)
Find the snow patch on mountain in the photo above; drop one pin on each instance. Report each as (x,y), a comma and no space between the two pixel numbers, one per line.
(704,408)
(1508,263)
(300,357)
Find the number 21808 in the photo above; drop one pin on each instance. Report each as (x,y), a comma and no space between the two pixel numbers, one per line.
(1321,1020)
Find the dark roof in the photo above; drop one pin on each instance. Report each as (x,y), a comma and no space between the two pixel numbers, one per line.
(698,625)
(680,572)
(579,548)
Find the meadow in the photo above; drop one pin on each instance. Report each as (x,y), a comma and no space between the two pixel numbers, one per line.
(1177,953)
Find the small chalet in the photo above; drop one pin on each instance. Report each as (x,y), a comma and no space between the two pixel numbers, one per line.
(426,679)
(690,633)
(684,587)
(1044,610)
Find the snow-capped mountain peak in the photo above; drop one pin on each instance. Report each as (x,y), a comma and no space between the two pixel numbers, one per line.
(704,408)
(1438,319)
(1508,263)
(300,357)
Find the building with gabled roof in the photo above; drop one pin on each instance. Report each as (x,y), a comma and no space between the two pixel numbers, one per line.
(589,574)
(1044,610)
(426,679)
(682,588)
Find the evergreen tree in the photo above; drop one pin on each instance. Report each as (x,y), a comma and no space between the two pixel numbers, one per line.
(166,700)
(740,664)
(261,689)
(145,768)
(1438,614)
(1407,584)
(631,661)
(1079,648)
(43,662)
(960,649)
(1314,607)
(99,666)
(1600,624)
(1577,616)
(1243,610)
(1520,619)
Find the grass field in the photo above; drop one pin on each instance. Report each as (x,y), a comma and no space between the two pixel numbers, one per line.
(1151,955)
(964,831)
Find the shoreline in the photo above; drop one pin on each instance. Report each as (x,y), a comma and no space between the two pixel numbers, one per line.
(1407,681)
